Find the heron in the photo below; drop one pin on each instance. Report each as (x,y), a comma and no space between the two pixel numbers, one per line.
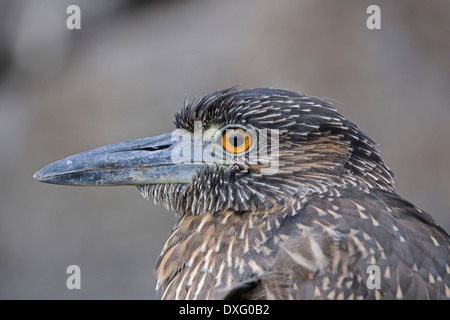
(277,196)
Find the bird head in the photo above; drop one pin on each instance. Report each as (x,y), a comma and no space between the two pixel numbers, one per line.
(241,150)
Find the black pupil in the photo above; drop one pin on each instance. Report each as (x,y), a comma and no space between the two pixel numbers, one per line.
(236,139)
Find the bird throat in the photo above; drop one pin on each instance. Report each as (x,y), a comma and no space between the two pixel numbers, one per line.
(204,255)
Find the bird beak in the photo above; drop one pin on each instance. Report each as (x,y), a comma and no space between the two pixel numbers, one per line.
(135,162)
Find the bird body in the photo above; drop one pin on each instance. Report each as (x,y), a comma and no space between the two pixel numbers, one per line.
(320,249)
(289,200)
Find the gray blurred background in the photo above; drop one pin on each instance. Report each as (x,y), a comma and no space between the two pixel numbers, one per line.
(127,71)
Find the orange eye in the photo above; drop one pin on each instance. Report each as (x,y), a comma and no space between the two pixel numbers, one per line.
(236,140)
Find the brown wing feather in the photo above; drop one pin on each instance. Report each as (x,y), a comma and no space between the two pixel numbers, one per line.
(333,240)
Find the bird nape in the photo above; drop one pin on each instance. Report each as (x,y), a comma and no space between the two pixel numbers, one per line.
(278,197)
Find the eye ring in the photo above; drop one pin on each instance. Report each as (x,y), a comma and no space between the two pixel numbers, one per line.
(236,139)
